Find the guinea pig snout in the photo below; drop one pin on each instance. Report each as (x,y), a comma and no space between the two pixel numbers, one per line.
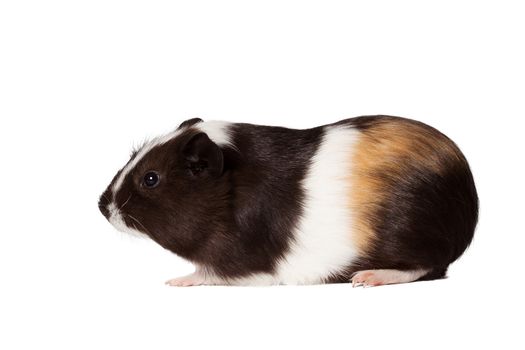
(103,205)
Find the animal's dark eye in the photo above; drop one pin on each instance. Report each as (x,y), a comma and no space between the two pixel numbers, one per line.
(151,179)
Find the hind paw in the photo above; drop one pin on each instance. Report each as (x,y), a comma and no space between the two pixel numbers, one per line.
(367,278)
(374,278)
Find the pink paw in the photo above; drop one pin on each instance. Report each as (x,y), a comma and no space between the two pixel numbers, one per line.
(373,278)
(186,281)
(367,278)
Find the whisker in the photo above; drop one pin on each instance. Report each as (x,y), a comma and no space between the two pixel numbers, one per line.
(126,202)
(134,226)
(138,222)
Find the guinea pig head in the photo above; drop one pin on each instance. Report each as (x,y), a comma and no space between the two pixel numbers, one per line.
(172,189)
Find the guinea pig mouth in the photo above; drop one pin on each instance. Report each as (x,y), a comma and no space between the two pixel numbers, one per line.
(115,217)
(124,222)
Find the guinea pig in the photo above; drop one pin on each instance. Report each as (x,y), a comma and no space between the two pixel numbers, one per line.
(372,200)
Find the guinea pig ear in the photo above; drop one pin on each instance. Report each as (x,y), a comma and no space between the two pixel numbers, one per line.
(189,122)
(203,155)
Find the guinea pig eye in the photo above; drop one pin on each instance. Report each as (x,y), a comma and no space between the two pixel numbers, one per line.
(151,179)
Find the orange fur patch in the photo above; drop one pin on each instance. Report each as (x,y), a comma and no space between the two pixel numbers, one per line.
(385,152)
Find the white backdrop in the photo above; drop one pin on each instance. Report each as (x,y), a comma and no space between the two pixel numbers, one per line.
(81,81)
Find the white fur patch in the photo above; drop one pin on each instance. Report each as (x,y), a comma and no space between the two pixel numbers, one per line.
(323,239)
(217,131)
(257,279)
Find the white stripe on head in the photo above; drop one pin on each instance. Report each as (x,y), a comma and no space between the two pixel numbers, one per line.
(217,131)
(148,146)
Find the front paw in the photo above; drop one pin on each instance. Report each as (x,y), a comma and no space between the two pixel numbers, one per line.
(193,279)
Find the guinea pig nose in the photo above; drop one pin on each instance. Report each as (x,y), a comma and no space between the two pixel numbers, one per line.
(103,206)
(104,210)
